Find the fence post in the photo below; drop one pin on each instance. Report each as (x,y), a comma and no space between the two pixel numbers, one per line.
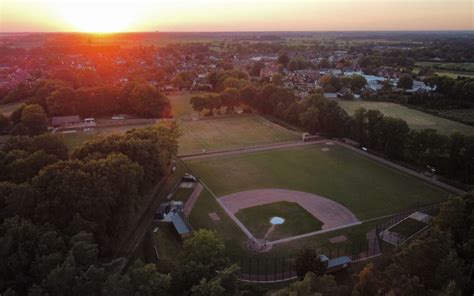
(258,270)
(283,269)
(266,269)
(250,268)
(274,267)
(241,267)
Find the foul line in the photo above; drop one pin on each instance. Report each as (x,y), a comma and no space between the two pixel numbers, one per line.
(231,216)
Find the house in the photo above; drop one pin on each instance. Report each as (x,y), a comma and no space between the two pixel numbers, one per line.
(330,95)
(90,121)
(62,121)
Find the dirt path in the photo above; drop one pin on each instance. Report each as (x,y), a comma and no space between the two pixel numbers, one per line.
(330,213)
(192,199)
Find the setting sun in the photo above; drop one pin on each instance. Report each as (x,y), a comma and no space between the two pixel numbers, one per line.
(99,18)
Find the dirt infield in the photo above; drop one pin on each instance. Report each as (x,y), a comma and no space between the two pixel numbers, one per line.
(330,213)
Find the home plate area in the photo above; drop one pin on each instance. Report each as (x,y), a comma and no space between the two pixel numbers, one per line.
(331,214)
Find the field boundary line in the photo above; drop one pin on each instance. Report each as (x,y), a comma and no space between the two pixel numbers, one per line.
(231,216)
(309,234)
(250,149)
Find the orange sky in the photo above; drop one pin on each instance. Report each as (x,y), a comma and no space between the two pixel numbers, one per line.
(234,15)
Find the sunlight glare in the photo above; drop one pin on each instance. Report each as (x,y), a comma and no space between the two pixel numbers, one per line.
(100,17)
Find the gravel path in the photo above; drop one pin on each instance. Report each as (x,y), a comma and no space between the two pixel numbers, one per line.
(192,199)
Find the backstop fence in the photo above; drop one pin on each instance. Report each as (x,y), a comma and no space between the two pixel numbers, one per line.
(260,268)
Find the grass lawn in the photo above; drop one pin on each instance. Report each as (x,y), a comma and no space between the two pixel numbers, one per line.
(182,194)
(168,243)
(180,106)
(234,239)
(408,227)
(297,220)
(7,109)
(366,187)
(416,119)
(231,132)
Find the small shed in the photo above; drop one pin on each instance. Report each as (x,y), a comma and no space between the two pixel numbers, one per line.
(336,264)
(179,223)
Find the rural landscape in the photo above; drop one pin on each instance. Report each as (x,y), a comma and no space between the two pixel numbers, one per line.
(311,159)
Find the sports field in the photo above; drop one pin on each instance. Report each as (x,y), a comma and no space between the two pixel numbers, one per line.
(369,189)
(230,132)
(416,119)
(297,220)
(365,187)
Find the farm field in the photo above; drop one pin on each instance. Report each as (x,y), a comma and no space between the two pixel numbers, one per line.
(341,175)
(417,120)
(462,115)
(297,220)
(230,132)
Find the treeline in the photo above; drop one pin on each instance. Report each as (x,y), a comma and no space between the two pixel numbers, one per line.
(450,93)
(438,262)
(98,189)
(452,156)
(62,214)
(60,98)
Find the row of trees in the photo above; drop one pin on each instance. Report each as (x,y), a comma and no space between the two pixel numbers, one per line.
(452,156)
(58,98)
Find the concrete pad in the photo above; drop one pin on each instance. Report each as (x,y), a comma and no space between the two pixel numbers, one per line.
(214,217)
(338,239)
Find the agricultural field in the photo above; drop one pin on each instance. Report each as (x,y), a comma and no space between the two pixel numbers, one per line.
(417,120)
(220,133)
(341,175)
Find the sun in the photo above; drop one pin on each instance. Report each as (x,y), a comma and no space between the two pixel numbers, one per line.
(99,17)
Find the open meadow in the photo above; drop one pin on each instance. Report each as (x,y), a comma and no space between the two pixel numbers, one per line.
(417,120)
(211,134)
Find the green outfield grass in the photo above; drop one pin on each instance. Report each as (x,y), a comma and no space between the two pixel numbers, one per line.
(231,132)
(297,220)
(367,188)
(416,119)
